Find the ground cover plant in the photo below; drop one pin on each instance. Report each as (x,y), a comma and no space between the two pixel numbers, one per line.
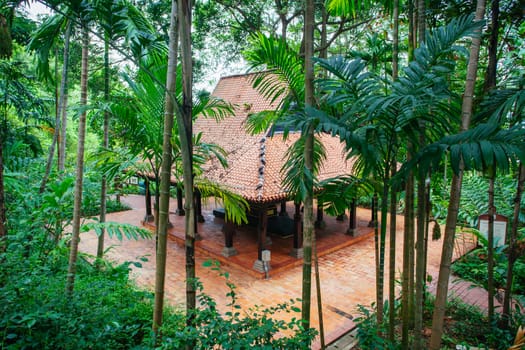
(464,325)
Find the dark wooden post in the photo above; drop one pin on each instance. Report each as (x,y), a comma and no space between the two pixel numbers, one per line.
(319,223)
(297,250)
(352,223)
(229,230)
(147,194)
(198,206)
(180,207)
(262,227)
(283,208)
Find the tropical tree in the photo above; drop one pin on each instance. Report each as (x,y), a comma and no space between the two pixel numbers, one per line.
(79,177)
(455,190)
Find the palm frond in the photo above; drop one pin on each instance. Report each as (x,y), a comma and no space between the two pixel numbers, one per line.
(479,148)
(296,175)
(283,69)
(235,206)
(338,192)
(504,105)
(43,40)
(209,106)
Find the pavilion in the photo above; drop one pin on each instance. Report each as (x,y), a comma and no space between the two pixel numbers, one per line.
(255,162)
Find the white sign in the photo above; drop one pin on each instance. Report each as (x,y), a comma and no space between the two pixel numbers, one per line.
(500,229)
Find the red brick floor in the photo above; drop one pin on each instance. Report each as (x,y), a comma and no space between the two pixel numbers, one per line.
(347,270)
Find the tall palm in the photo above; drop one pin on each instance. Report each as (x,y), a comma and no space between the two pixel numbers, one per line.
(43,42)
(115,17)
(455,191)
(75,237)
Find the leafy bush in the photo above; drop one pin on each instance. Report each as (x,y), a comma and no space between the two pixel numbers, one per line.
(369,332)
(256,328)
(106,310)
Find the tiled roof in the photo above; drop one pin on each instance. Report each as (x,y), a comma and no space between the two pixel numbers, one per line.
(255,161)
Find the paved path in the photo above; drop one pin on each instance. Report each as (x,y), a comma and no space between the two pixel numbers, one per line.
(347,275)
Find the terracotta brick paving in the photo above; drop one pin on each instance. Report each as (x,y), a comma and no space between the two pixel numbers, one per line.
(347,274)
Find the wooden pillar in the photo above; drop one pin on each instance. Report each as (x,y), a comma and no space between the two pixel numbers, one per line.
(180,207)
(283,208)
(198,206)
(262,227)
(352,223)
(229,231)
(147,194)
(297,250)
(319,223)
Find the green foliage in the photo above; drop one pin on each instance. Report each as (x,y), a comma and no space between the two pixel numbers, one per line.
(106,311)
(467,325)
(369,332)
(474,198)
(473,267)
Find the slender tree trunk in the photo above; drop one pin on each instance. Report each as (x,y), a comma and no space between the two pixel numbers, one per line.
(393,194)
(319,298)
(455,191)
(380,278)
(56,133)
(407,295)
(490,248)
(75,237)
(490,83)
(105,144)
(392,261)
(184,120)
(490,74)
(62,102)
(308,220)
(163,210)
(511,250)
(395,44)
(3,228)
(420,263)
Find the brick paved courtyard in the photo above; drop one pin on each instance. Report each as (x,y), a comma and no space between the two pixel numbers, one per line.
(347,274)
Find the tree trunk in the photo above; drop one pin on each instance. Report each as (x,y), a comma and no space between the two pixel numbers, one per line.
(184,120)
(308,219)
(56,133)
(62,102)
(512,253)
(77,208)
(3,228)
(420,263)
(407,295)
(455,191)
(392,261)
(163,210)
(490,248)
(105,144)
(380,278)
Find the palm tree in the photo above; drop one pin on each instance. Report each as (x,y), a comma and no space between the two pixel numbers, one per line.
(185,127)
(75,237)
(455,191)
(42,43)
(170,103)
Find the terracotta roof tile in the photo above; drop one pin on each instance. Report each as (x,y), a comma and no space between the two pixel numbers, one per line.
(247,175)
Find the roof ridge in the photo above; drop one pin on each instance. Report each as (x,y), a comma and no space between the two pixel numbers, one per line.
(262,167)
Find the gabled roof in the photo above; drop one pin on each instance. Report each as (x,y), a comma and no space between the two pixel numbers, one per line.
(255,161)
